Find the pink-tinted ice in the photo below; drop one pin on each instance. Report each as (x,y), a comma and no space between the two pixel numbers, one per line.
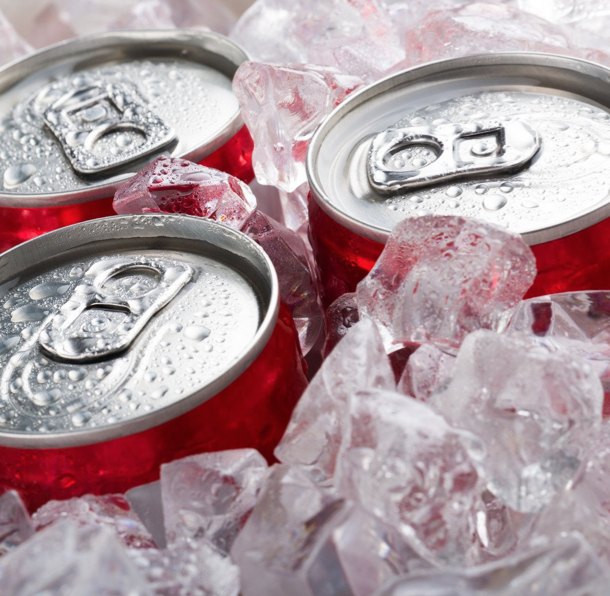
(12,45)
(427,370)
(441,277)
(296,273)
(341,316)
(171,185)
(112,511)
(359,37)
(282,105)
(480,28)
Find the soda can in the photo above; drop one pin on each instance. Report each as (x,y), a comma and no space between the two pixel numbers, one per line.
(80,117)
(519,140)
(130,341)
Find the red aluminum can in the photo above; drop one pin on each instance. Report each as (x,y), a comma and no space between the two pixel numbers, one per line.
(519,140)
(81,117)
(131,341)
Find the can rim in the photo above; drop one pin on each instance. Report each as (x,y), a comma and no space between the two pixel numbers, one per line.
(230,54)
(413,75)
(155,227)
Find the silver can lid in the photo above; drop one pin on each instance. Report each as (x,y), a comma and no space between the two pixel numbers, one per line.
(520,140)
(80,117)
(113,326)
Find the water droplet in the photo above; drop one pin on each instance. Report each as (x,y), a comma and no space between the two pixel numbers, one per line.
(43,376)
(77,374)
(124,140)
(159,393)
(48,289)
(8,343)
(196,332)
(494,202)
(125,395)
(29,312)
(18,174)
(150,376)
(59,375)
(482,148)
(453,204)
(529,204)
(46,398)
(453,191)
(76,272)
(80,418)
(506,187)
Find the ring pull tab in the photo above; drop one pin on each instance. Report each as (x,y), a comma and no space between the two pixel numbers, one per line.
(102,126)
(109,308)
(448,151)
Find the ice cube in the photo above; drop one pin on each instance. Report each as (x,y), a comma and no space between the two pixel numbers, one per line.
(171,185)
(15,523)
(282,104)
(12,45)
(296,271)
(187,569)
(341,316)
(318,422)
(441,277)
(408,467)
(567,567)
(427,370)
(211,495)
(112,511)
(483,27)
(341,550)
(534,410)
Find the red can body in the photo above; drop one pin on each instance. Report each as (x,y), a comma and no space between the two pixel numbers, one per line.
(18,224)
(253,411)
(580,261)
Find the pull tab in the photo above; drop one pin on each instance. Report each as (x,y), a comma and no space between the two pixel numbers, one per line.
(448,151)
(114,302)
(103,126)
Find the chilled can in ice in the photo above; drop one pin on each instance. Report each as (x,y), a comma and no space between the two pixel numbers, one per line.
(81,117)
(130,341)
(519,140)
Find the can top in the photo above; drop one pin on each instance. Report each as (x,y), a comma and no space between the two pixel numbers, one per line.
(112,326)
(521,140)
(80,117)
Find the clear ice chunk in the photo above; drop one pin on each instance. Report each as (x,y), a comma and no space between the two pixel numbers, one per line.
(70,560)
(111,511)
(318,423)
(171,185)
(441,277)
(408,467)
(483,27)
(282,104)
(341,550)
(358,37)
(15,523)
(296,271)
(187,569)
(567,567)
(427,370)
(287,499)
(534,410)
(341,316)
(12,45)
(211,495)
(146,502)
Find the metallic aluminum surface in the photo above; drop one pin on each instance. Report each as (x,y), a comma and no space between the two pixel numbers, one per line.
(521,140)
(80,117)
(111,327)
